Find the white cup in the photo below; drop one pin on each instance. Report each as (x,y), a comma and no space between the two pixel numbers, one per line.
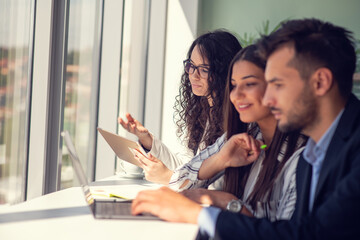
(131,169)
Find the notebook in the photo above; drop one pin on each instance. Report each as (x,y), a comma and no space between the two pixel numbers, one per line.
(101,208)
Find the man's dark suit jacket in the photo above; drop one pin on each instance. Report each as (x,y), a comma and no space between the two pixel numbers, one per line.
(336,209)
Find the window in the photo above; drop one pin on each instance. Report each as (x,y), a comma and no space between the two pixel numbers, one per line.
(16,34)
(61,69)
(356,86)
(81,90)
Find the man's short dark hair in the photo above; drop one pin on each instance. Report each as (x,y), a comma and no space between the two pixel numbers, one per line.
(317,44)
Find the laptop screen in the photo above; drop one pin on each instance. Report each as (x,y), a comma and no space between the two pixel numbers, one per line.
(75,159)
(105,208)
(77,167)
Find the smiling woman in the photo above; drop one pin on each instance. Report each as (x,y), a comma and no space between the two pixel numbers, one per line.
(260,185)
(253,175)
(248,87)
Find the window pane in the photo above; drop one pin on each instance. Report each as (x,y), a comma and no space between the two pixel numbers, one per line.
(15,63)
(82,75)
(356,86)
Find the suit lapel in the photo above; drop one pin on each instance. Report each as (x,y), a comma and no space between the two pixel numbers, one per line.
(343,131)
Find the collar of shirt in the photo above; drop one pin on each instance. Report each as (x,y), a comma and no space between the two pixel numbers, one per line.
(314,153)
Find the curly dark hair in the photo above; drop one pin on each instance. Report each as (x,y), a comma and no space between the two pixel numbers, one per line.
(193,115)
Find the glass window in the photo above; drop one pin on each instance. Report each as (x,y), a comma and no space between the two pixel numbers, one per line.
(81,91)
(16,34)
(356,86)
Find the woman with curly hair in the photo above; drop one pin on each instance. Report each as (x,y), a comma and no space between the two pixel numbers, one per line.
(198,107)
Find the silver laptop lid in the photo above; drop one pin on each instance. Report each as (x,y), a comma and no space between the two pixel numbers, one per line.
(75,159)
(85,186)
(79,172)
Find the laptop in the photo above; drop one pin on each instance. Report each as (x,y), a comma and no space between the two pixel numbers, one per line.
(101,208)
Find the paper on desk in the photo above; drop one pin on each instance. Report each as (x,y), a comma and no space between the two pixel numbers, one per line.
(127,192)
(98,194)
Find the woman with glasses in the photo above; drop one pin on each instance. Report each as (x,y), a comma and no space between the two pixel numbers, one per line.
(198,107)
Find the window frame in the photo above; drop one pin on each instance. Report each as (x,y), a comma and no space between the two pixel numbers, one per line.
(48,84)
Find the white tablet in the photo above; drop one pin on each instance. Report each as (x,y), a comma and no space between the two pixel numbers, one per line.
(122,147)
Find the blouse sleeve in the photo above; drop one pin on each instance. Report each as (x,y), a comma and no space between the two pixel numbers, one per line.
(170,159)
(287,198)
(186,176)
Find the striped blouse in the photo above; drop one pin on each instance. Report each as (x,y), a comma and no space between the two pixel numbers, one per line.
(281,203)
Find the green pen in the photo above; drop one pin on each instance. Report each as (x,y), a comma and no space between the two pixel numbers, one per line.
(261,147)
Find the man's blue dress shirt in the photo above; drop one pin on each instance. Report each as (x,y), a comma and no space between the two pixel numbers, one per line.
(314,154)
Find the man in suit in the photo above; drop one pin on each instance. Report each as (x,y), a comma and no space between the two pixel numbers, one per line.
(310,66)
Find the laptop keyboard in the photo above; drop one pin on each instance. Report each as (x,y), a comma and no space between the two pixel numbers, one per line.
(118,210)
(112,209)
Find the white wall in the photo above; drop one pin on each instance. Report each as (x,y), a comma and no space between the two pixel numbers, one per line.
(181,30)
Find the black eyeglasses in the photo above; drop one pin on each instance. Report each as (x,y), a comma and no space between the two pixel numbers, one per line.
(190,69)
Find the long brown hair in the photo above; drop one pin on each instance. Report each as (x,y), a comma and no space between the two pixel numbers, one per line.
(192,112)
(236,178)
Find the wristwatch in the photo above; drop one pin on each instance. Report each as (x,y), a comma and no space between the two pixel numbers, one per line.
(234,205)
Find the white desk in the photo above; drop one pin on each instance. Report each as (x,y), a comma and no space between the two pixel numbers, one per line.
(65,215)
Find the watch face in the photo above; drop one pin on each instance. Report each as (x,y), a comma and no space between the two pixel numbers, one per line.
(234,206)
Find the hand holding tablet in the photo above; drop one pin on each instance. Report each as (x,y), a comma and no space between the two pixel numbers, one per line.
(123,148)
